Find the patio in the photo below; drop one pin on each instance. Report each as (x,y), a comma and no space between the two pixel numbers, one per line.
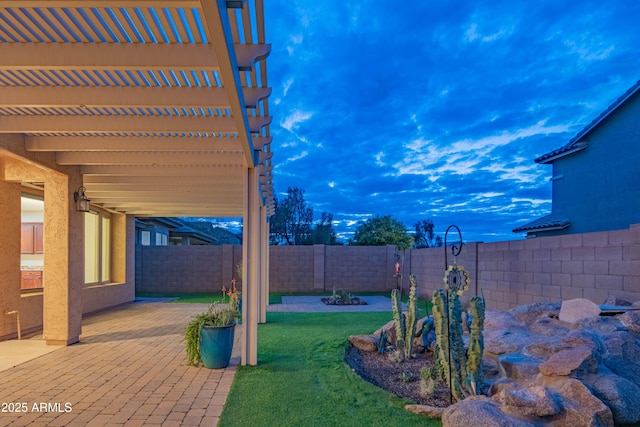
(129,369)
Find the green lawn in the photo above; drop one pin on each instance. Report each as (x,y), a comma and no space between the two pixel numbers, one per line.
(302,380)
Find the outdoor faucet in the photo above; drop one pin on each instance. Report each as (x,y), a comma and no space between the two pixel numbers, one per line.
(17,320)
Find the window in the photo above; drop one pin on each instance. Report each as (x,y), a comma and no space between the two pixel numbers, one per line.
(161,239)
(97,248)
(145,238)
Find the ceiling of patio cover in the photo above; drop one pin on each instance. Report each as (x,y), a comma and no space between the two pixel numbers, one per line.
(162,104)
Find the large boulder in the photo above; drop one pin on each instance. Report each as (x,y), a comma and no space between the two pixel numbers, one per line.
(529,312)
(365,342)
(519,366)
(573,361)
(536,401)
(620,395)
(504,320)
(581,408)
(497,342)
(479,411)
(576,309)
(623,355)
(631,319)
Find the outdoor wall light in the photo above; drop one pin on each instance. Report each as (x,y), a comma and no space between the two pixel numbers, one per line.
(82,203)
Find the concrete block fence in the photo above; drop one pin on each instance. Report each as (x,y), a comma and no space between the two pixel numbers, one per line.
(593,266)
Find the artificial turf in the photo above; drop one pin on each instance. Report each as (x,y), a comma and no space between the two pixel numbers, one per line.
(301,378)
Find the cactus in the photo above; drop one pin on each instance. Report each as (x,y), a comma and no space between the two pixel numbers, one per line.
(405,324)
(460,368)
(398,319)
(476,340)
(382,342)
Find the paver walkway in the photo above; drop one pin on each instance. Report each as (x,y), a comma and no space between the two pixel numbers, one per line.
(128,370)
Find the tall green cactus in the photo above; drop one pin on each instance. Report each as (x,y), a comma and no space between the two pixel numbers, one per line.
(405,325)
(460,368)
(398,319)
(476,341)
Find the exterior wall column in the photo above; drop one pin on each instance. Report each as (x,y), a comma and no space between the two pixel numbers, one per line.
(264,264)
(250,266)
(10,259)
(63,265)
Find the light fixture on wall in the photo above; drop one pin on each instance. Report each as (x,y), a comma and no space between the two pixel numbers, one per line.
(82,203)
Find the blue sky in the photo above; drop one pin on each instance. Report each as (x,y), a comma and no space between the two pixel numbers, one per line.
(436,110)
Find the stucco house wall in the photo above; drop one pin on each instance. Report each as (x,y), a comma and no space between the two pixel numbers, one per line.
(598,189)
(64,298)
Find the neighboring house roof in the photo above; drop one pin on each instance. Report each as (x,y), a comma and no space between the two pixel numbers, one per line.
(546,223)
(576,143)
(186,231)
(221,235)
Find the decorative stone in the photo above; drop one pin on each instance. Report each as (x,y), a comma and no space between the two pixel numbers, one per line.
(529,312)
(534,401)
(497,342)
(631,319)
(619,394)
(500,320)
(573,361)
(365,342)
(584,338)
(545,349)
(602,324)
(479,411)
(425,410)
(519,366)
(548,327)
(581,408)
(614,300)
(576,309)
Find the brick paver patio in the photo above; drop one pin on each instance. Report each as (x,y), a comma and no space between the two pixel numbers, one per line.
(128,370)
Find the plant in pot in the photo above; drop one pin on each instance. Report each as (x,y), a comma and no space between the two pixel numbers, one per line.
(209,336)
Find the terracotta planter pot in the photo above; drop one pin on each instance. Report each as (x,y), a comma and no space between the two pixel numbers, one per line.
(216,344)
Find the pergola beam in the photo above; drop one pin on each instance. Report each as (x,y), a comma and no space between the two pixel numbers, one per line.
(112,124)
(114,97)
(133,143)
(149,158)
(203,172)
(106,56)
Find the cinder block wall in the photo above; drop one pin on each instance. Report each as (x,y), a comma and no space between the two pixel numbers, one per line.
(592,265)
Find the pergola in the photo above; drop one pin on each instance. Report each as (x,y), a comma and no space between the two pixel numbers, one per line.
(161,103)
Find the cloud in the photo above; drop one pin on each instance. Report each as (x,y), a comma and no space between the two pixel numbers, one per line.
(293,120)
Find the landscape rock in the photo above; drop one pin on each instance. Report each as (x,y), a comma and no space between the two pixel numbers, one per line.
(426,410)
(614,300)
(631,319)
(519,366)
(581,408)
(501,320)
(536,401)
(554,364)
(364,342)
(544,349)
(529,312)
(579,308)
(548,326)
(619,394)
(479,411)
(584,338)
(573,361)
(497,342)
(602,324)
